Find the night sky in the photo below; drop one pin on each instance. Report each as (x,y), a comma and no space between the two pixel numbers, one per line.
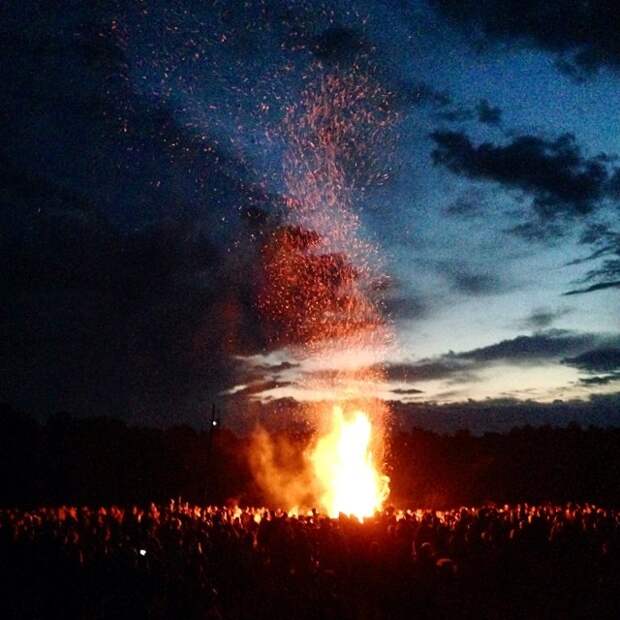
(141,171)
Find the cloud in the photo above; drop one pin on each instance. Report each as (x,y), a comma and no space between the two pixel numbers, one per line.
(472,203)
(464,207)
(471,276)
(542,318)
(340,43)
(598,234)
(422,94)
(548,345)
(476,280)
(256,389)
(456,114)
(538,230)
(483,112)
(134,236)
(596,360)
(144,323)
(444,107)
(614,184)
(600,380)
(582,35)
(477,284)
(594,287)
(552,345)
(488,114)
(405,307)
(610,268)
(588,352)
(604,244)
(433,369)
(554,173)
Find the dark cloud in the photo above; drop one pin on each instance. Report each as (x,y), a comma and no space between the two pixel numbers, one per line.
(422,94)
(614,184)
(596,360)
(469,279)
(582,35)
(610,268)
(405,307)
(444,107)
(549,345)
(477,284)
(542,318)
(538,230)
(606,274)
(464,207)
(484,112)
(144,323)
(441,368)
(594,287)
(589,352)
(340,43)
(472,203)
(132,236)
(600,379)
(601,236)
(488,114)
(604,244)
(555,173)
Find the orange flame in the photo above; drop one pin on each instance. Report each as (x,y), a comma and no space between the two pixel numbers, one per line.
(344,467)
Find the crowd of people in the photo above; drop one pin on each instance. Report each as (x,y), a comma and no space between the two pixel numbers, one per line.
(184,561)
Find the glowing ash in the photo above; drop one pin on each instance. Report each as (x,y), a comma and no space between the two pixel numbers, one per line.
(323,280)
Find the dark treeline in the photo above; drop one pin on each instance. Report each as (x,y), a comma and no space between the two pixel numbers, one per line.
(103,460)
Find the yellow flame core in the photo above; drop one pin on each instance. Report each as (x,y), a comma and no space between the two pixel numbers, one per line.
(344,467)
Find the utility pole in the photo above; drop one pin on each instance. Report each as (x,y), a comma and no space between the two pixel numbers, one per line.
(213,427)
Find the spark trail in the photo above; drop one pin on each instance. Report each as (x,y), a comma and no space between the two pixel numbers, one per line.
(323,279)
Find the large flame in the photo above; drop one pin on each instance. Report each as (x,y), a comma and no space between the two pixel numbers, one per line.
(344,467)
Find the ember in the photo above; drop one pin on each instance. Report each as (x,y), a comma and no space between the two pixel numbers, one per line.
(322,281)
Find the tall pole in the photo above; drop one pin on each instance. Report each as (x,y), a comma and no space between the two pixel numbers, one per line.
(213,426)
